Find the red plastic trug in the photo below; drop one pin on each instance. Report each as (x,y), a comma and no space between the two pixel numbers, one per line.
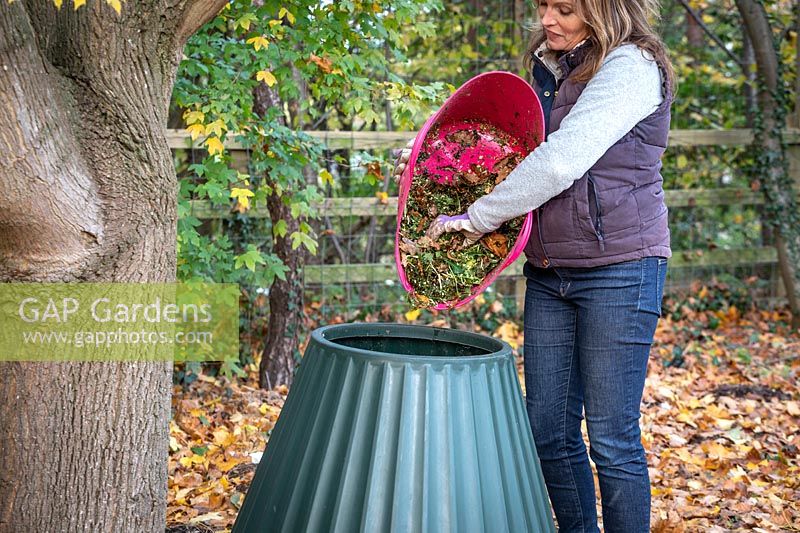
(501,99)
(447,158)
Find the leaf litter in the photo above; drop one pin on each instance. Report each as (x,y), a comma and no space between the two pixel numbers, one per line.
(721,430)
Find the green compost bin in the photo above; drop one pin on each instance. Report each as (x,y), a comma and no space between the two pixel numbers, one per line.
(400,428)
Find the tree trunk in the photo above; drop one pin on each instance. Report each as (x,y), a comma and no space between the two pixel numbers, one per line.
(694,33)
(782,209)
(87,193)
(797,65)
(279,357)
(519,26)
(476,12)
(750,96)
(794,158)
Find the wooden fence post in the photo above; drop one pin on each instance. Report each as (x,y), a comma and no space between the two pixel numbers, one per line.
(519,294)
(793,156)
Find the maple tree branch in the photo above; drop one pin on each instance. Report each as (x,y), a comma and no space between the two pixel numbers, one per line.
(756,24)
(713,36)
(197,13)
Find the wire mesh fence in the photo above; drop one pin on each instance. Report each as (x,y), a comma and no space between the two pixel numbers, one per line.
(715,241)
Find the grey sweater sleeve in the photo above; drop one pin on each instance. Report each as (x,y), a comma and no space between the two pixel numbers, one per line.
(625,90)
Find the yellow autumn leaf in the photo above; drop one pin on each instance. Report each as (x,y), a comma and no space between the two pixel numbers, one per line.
(274,22)
(242,197)
(695,484)
(715,450)
(196,130)
(214,146)
(223,438)
(383,197)
(216,128)
(258,42)
(227,464)
(206,517)
(267,77)
(192,117)
(78,3)
(738,473)
(509,332)
(724,424)
(116,5)
(326,177)
(413,314)
(58,3)
(187,462)
(686,418)
(286,13)
(180,494)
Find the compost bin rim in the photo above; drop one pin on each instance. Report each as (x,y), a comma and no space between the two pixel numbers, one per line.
(396,330)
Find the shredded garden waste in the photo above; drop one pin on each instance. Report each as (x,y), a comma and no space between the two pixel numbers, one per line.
(446,269)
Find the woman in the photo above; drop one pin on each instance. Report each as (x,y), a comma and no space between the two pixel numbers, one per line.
(597,256)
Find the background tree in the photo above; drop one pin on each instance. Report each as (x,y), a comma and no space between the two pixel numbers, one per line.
(87,194)
(722,84)
(261,73)
(772,167)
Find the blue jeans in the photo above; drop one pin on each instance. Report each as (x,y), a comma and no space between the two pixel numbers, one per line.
(588,333)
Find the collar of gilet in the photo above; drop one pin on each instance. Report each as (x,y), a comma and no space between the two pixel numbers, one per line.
(559,63)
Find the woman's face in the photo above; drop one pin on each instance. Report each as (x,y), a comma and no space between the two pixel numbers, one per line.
(563,27)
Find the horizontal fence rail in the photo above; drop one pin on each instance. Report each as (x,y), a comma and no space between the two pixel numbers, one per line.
(372,206)
(387,207)
(382,272)
(367,140)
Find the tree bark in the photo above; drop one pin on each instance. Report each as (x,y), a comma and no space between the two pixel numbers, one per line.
(750,96)
(694,33)
(782,209)
(279,357)
(519,26)
(87,193)
(797,65)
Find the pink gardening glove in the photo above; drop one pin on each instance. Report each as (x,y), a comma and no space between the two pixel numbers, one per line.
(446,224)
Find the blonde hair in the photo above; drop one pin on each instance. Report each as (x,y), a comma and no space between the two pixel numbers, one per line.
(611,23)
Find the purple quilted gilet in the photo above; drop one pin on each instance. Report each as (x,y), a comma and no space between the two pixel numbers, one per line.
(616,211)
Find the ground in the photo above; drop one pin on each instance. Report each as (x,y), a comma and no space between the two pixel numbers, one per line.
(720,420)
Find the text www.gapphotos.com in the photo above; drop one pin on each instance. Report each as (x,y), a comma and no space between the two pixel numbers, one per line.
(81,339)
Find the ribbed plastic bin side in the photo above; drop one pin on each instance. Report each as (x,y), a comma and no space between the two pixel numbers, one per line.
(391,427)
